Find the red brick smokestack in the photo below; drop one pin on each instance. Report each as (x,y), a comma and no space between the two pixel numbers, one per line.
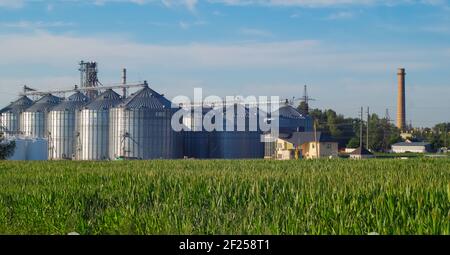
(401,108)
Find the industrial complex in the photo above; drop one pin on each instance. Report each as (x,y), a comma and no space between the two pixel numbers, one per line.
(109,122)
(96,123)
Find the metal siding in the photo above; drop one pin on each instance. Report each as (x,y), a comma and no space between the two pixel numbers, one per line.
(142,134)
(93,135)
(236,145)
(34,124)
(10,122)
(62,134)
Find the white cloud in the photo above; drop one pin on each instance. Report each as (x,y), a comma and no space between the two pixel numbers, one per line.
(192,4)
(184,25)
(11,3)
(50,7)
(48,61)
(59,50)
(341,15)
(35,24)
(218,13)
(324,3)
(295,15)
(255,32)
(438,29)
(189,4)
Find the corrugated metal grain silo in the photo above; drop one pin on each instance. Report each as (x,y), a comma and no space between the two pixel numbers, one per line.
(196,139)
(292,120)
(34,119)
(62,127)
(93,140)
(141,128)
(236,144)
(10,116)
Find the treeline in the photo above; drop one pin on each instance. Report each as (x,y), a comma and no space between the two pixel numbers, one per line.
(382,132)
(438,136)
(346,131)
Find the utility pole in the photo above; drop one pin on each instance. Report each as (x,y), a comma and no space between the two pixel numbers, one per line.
(368,120)
(387,116)
(386,130)
(315,138)
(361,129)
(445,137)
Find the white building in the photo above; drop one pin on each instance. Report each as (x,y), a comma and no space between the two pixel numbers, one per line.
(361,153)
(414,147)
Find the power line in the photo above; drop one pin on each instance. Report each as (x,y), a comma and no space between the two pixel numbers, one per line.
(361,129)
(368,118)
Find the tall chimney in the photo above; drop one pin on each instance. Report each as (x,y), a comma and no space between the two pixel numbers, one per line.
(401,108)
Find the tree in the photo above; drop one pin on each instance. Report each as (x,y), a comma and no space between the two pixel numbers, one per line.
(6,148)
(303,108)
(353,143)
(341,129)
(382,133)
(438,136)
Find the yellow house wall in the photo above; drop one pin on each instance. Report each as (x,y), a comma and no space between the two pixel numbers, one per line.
(322,148)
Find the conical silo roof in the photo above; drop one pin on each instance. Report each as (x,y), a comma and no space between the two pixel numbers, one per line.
(287,111)
(19,105)
(105,101)
(46,103)
(236,110)
(72,103)
(147,98)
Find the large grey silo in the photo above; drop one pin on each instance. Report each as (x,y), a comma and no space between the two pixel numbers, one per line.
(10,116)
(141,128)
(235,144)
(34,119)
(93,141)
(62,127)
(196,139)
(291,120)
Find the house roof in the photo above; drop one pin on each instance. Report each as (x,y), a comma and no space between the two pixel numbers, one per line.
(287,111)
(361,151)
(299,138)
(411,144)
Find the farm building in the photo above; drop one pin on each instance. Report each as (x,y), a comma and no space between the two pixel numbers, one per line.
(307,145)
(10,116)
(408,146)
(140,128)
(292,124)
(361,153)
(286,150)
(97,123)
(325,147)
(224,144)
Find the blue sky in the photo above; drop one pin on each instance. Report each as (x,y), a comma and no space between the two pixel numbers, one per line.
(346,51)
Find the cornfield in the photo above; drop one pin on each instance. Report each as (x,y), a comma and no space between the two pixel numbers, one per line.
(226,197)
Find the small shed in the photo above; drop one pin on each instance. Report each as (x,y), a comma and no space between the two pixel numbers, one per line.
(361,153)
